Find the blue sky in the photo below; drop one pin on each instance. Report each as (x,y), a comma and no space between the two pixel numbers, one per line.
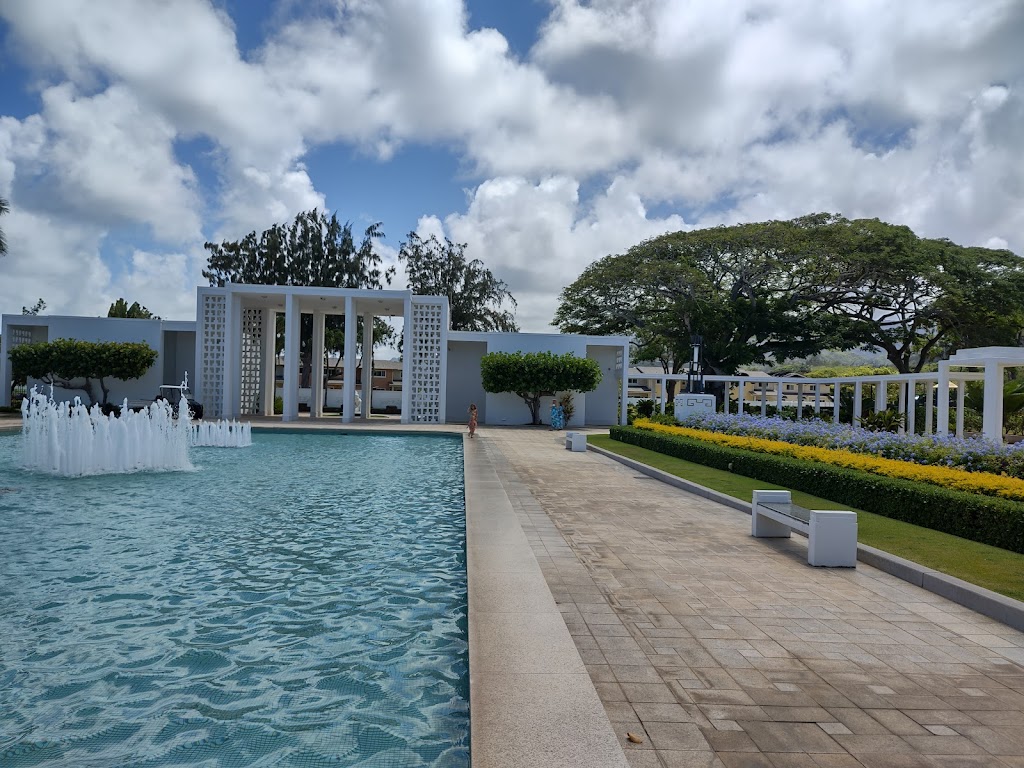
(543,133)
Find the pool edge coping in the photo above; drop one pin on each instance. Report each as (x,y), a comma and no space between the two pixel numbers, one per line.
(532,701)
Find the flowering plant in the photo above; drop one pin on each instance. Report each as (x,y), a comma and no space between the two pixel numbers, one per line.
(969,454)
(945,477)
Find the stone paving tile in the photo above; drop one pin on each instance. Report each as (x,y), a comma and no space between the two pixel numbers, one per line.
(720,650)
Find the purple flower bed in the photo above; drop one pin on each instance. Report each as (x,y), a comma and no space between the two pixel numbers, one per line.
(972,454)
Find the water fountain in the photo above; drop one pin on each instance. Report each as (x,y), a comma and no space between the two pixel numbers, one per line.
(222,434)
(72,440)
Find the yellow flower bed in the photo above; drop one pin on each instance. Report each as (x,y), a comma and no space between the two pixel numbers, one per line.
(946,477)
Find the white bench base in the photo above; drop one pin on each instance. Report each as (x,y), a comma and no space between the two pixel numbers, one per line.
(831,534)
(575,441)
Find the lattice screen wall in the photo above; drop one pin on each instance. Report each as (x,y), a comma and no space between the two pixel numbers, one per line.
(214,317)
(19,336)
(252,338)
(423,343)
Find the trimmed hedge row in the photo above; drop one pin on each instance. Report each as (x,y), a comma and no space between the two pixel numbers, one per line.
(985,519)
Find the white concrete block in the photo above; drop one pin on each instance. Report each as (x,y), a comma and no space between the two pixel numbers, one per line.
(832,542)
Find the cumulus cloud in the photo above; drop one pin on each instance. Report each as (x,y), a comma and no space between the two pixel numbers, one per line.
(544,236)
(704,112)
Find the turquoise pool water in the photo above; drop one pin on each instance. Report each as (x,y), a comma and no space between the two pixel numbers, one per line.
(298,603)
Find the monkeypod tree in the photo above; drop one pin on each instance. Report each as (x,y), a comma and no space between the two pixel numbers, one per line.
(73,364)
(532,375)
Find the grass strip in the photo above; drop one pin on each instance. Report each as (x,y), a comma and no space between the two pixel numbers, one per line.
(990,567)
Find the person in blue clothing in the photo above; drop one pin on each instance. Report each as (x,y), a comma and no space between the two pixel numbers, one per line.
(557,415)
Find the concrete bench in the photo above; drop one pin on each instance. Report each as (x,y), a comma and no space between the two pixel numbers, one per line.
(575,441)
(831,535)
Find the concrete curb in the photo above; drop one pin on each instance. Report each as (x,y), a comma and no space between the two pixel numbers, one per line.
(1003,609)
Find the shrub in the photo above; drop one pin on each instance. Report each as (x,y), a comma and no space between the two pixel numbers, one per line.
(646,408)
(986,519)
(970,454)
(957,479)
(278,405)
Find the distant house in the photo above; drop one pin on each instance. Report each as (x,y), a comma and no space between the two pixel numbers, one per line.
(387,375)
(754,391)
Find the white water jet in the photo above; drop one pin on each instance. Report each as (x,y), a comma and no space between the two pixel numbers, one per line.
(72,440)
(222,434)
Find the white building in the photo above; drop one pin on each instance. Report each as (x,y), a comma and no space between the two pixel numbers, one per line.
(230,356)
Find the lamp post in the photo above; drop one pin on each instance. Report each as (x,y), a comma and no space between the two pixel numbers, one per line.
(695,373)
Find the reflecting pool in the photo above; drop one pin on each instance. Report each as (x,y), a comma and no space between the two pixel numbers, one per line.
(298,603)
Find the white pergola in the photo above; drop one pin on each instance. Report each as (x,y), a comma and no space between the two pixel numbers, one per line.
(236,361)
(992,361)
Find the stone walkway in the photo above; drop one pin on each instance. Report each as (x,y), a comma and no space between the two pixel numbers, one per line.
(720,650)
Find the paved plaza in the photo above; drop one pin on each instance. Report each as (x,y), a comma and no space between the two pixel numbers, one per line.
(716,649)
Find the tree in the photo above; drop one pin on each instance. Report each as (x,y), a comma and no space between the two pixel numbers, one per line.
(771,291)
(120,308)
(74,364)
(741,288)
(531,375)
(313,250)
(917,299)
(475,295)
(35,309)
(4,208)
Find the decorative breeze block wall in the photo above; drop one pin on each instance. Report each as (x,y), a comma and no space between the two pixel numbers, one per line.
(213,314)
(253,321)
(19,336)
(423,344)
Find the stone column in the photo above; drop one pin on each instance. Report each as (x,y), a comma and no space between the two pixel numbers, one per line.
(942,417)
(268,354)
(858,401)
(992,413)
(292,340)
(367,365)
(316,382)
(349,390)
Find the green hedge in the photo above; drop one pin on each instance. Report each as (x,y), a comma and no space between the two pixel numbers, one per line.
(989,520)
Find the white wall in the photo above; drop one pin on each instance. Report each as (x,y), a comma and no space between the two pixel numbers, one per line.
(464,384)
(600,407)
(151,332)
(603,405)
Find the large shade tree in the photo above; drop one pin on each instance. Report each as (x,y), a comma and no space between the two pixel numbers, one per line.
(915,298)
(780,289)
(742,288)
(476,298)
(314,249)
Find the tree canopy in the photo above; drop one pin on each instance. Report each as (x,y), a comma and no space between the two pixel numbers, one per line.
(74,364)
(314,250)
(769,291)
(475,296)
(120,308)
(35,309)
(531,375)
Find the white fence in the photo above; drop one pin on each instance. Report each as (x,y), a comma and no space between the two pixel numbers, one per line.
(758,392)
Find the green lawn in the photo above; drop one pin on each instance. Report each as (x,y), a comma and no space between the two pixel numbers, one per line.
(990,567)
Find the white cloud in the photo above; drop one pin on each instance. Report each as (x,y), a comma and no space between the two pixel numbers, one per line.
(734,111)
(538,237)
